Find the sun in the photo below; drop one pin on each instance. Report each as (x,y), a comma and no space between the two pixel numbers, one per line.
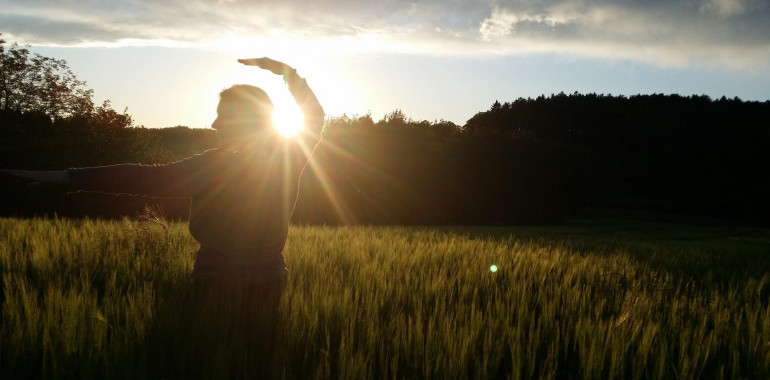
(333,89)
(288,120)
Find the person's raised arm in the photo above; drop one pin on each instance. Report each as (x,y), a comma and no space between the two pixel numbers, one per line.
(303,95)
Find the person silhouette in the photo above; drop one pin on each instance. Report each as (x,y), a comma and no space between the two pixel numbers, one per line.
(242,193)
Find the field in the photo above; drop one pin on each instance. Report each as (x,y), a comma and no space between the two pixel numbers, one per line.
(593,299)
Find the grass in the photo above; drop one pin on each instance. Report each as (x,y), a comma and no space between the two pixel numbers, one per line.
(593,299)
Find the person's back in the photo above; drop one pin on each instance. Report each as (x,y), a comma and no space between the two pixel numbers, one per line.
(241,216)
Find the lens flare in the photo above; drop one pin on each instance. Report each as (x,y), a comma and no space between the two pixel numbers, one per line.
(288,120)
(493,268)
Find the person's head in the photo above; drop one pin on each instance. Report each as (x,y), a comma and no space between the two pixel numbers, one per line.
(243,111)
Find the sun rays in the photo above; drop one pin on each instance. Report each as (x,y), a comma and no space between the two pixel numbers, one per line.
(288,120)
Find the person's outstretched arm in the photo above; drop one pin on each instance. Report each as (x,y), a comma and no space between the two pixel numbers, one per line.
(53,177)
(177,179)
(303,95)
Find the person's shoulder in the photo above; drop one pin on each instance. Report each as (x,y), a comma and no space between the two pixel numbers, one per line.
(208,156)
(217,157)
(214,154)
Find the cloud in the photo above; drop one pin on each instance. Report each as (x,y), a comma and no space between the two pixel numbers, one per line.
(499,24)
(724,8)
(712,32)
(665,32)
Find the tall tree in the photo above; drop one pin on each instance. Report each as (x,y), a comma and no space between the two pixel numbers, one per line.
(34,83)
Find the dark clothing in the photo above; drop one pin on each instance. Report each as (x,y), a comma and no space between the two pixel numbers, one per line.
(240,207)
(241,201)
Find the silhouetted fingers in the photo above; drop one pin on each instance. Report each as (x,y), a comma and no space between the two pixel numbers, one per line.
(7,174)
(249,61)
(276,67)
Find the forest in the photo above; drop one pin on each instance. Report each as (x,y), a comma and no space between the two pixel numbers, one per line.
(525,161)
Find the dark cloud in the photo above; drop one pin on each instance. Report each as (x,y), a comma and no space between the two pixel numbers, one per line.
(33,29)
(682,31)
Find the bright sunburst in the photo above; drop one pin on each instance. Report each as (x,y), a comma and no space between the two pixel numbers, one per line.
(288,119)
(333,89)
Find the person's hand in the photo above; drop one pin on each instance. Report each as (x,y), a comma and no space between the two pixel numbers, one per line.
(53,177)
(14,177)
(276,67)
(5,173)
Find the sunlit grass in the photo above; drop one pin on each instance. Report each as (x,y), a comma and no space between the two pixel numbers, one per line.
(95,299)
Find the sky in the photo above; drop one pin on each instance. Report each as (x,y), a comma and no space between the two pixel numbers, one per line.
(166,60)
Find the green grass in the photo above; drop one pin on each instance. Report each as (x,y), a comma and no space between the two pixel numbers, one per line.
(598,299)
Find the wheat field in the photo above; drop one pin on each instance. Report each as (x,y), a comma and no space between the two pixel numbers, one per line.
(602,299)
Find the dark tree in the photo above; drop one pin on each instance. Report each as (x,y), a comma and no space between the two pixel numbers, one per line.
(34,83)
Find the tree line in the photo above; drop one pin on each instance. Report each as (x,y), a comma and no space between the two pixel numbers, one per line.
(689,154)
(527,161)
